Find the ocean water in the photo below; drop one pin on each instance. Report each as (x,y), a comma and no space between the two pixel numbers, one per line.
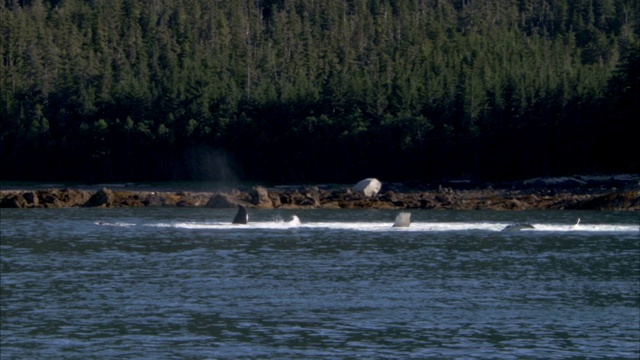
(186,283)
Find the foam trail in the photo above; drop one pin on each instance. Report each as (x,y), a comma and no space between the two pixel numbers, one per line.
(386,226)
(223,225)
(114,224)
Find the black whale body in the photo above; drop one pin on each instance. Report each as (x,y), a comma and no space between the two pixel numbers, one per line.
(242,217)
(518,227)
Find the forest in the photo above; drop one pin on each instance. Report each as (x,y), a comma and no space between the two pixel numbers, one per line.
(317,90)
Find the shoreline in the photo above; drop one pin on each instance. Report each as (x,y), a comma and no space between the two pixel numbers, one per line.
(574,193)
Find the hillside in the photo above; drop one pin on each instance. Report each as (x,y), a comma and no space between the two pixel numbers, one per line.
(317,91)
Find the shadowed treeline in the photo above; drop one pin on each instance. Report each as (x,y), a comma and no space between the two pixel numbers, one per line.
(334,90)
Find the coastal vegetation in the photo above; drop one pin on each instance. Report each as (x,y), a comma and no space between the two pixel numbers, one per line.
(317,90)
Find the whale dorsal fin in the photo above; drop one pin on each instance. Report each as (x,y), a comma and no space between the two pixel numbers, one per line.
(242,217)
(402,220)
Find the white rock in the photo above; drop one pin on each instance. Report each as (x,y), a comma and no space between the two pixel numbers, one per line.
(369,187)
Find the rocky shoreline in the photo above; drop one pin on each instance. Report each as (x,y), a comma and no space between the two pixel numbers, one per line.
(621,193)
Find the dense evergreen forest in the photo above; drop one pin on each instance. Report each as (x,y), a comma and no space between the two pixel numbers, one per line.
(317,90)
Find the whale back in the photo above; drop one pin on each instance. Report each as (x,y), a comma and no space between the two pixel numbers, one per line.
(517,227)
(402,220)
(242,217)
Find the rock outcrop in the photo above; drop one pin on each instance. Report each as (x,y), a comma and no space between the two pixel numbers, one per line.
(102,198)
(260,198)
(226,200)
(396,196)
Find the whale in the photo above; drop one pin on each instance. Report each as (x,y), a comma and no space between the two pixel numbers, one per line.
(518,227)
(242,217)
(402,220)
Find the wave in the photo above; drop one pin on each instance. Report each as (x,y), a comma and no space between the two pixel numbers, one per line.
(386,226)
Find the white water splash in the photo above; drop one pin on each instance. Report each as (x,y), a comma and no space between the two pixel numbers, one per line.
(385,226)
(121,224)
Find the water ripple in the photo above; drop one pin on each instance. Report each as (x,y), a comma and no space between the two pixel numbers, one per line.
(79,290)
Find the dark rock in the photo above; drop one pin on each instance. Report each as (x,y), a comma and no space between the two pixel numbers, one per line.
(275,199)
(515,204)
(70,197)
(556,183)
(312,195)
(623,200)
(153,199)
(14,201)
(48,199)
(428,203)
(102,198)
(294,199)
(260,197)
(221,200)
(31,199)
(183,203)
(560,193)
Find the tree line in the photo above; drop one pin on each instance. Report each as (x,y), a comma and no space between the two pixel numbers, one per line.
(317,90)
